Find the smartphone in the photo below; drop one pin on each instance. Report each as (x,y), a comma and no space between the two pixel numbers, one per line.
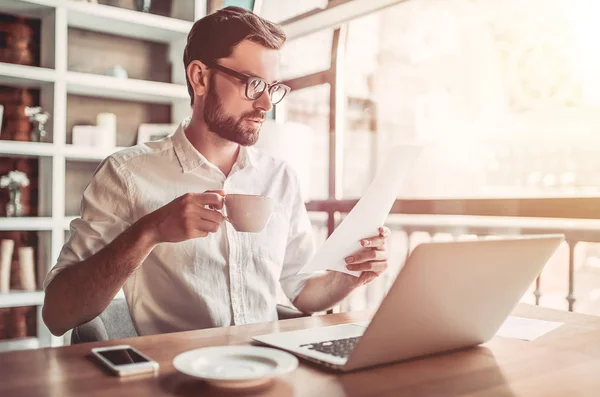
(123,360)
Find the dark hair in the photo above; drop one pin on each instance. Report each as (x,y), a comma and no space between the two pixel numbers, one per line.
(216,35)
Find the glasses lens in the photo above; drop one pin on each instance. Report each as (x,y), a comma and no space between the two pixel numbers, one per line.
(255,88)
(277,93)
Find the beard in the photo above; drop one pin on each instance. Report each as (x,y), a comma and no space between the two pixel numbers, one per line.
(226,126)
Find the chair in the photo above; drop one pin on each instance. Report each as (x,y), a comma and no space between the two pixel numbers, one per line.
(115,323)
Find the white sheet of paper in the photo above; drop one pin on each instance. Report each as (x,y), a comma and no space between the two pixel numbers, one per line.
(526,328)
(368,214)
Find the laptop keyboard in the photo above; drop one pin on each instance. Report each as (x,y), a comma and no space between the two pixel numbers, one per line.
(337,347)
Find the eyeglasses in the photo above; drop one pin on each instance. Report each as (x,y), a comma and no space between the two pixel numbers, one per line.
(255,86)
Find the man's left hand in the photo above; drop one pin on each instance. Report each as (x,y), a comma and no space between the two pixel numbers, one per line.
(372,259)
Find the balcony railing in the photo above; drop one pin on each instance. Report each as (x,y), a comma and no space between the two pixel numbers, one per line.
(577,218)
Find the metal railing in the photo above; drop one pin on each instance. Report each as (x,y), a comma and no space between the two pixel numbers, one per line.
(577,218)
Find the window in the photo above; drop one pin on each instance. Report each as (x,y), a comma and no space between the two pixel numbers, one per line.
(306,55)
(214,5)
(310,107)
(506,99)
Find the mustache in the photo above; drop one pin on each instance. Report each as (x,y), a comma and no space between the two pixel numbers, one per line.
(255,114)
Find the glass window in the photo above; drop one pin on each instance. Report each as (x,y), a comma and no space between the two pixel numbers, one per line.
(306,55)
(505,96)
(310,107)
(214,5)
(506,99)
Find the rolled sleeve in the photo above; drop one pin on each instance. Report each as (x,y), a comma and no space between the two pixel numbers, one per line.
(105,210)
(300,248)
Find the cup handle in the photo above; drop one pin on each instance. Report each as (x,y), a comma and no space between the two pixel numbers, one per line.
(212,207)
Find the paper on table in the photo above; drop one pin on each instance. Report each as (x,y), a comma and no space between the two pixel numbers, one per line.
(526,328)
(368,214)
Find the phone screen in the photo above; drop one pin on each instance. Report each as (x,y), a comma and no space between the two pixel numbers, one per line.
(122,356)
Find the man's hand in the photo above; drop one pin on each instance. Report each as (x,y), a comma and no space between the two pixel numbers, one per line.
(372,259)
(189,216)
(326,290)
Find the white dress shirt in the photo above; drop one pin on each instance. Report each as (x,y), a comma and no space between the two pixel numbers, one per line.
(224,279)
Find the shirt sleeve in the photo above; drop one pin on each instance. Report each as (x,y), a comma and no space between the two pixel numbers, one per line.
(300,247)
(105,210)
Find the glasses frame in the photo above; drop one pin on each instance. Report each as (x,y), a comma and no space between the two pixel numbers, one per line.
(244,78)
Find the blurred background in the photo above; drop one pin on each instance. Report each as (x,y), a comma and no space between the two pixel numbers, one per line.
(503,94)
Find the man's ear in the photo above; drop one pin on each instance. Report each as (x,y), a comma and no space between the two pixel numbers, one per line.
(197,74)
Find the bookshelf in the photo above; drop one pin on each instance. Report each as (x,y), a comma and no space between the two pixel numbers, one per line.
(55,83)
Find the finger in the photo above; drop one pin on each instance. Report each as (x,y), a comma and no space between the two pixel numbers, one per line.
(219,192)
(374,266)
(385,231)
(367,256)
(209,198)
(211,215)
(376,242)
(207,226)
(196,226)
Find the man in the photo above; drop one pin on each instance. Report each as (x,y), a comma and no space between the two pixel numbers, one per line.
(150,221)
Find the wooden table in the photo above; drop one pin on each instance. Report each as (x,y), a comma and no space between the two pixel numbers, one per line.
(565,362)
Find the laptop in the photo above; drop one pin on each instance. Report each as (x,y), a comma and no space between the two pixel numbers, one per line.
(448,296)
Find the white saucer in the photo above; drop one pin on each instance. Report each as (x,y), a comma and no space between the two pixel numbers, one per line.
(235,366)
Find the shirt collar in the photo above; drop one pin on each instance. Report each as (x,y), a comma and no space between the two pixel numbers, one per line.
(247,157)
(190,158)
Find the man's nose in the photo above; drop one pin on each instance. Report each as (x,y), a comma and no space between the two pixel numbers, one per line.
(264,102)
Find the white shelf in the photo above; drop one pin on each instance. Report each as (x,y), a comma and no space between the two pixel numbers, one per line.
(105,19)
(123,22)
(28,8)
(27,149)
(22,298)
(97,85)
(56,16)
(88,153)
(41,149)
(25,76)
(19,344)
(26,223)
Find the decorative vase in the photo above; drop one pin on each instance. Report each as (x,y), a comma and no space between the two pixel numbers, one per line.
(14,206)
(27,265)
(6,253)
(143,5)
(18,43)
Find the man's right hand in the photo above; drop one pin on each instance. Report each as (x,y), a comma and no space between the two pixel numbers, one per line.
(186,217)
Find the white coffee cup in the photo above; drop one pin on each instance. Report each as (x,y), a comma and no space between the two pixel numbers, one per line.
(247,212)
